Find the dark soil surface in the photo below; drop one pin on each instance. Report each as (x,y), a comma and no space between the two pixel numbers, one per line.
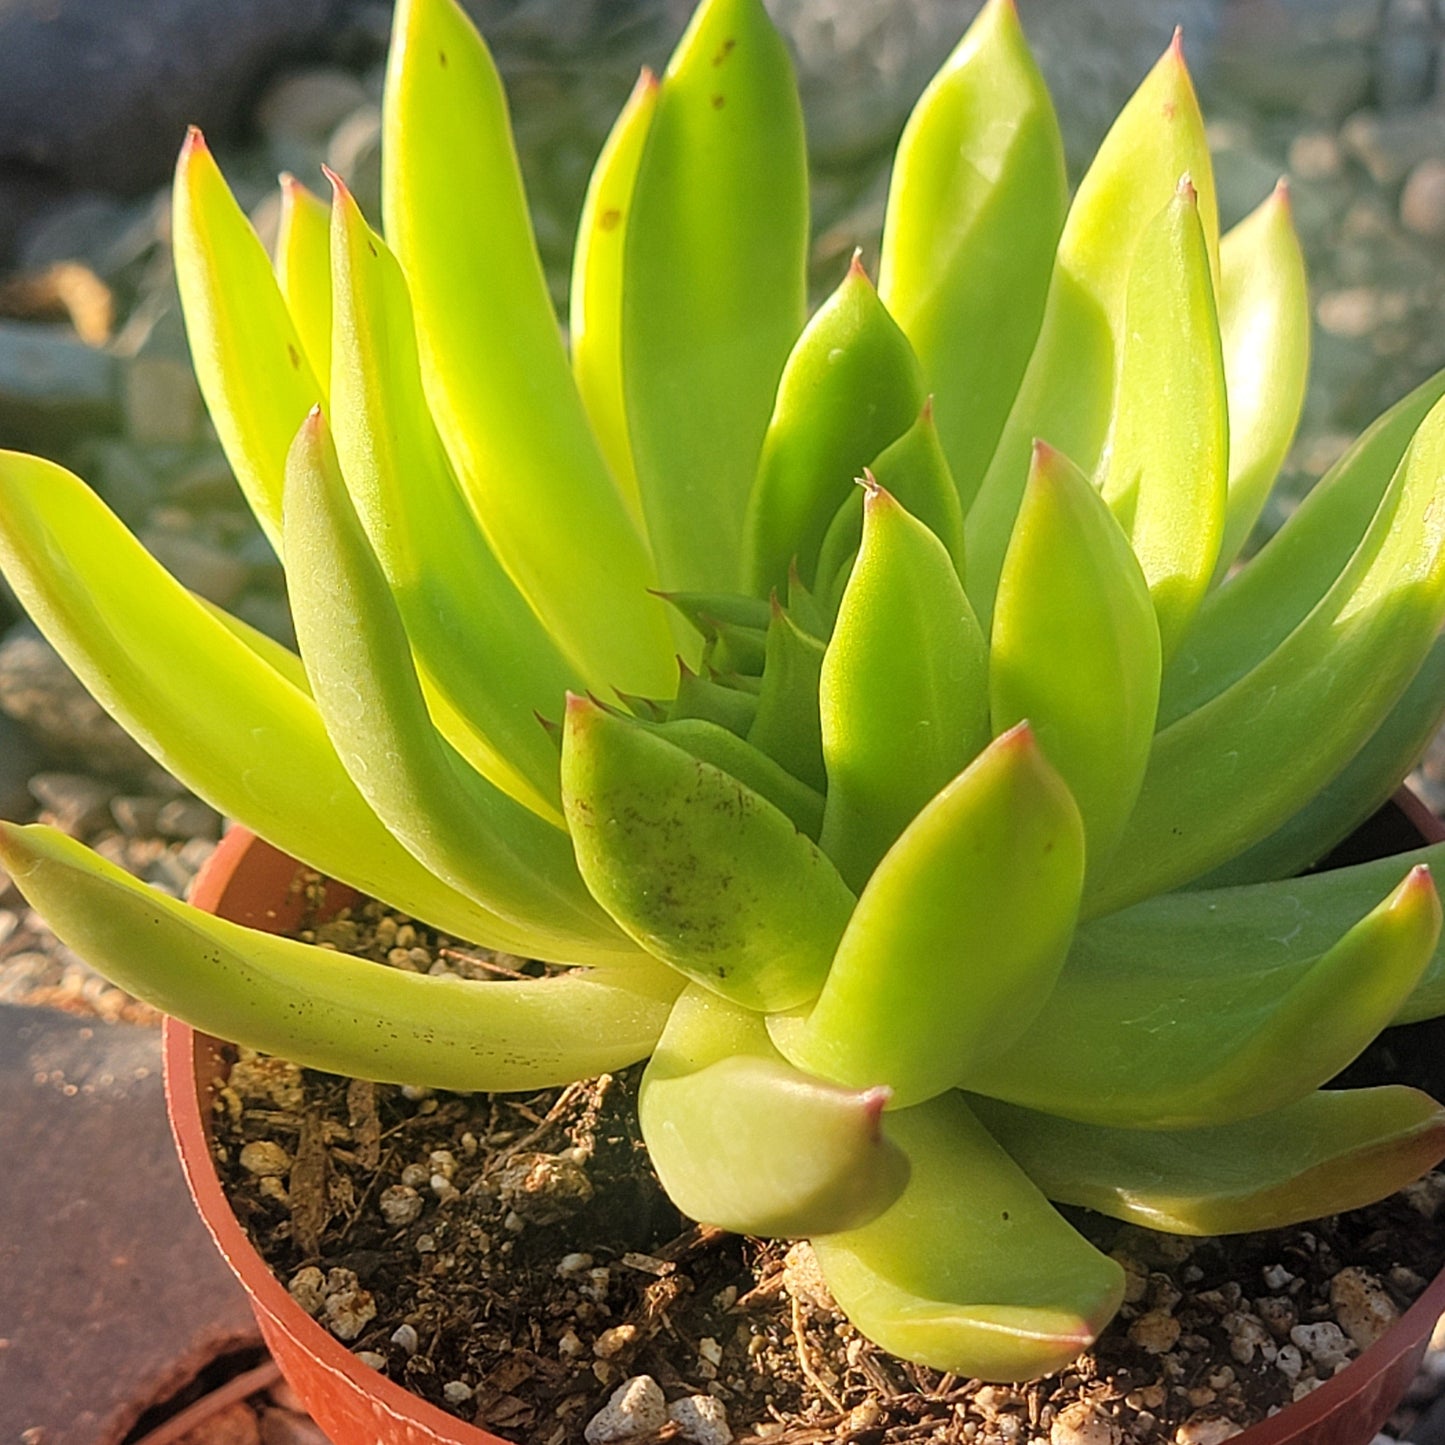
(512,1259)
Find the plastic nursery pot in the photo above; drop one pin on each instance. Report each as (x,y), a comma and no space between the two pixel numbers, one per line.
(250,882)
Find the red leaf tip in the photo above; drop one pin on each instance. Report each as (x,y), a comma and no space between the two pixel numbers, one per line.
(1186,191)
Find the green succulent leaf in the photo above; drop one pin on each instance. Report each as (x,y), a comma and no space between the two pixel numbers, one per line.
(596,293)
(325,1009)
(1240,623)
(1075,646)
(958,937)
(1353,795)
(705,610)
(303,272)
(702,871)
(736,649)
(1166,473)
(207,703)
(248,356)
(972,1270)
(1264,319)
(464,829)
(496,373)
(1156,1022)
(850,387)
(786,725)
(473,635)
(975,206)
(741,1140)
(713,286)
(1068,392)
(712,701)
(1229,773)
(724,749)
(903,693)
(1324,1154)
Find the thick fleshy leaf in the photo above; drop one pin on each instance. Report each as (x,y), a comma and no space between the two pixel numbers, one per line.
(328,1010)
(904,689)
(741,1140)
(1327,1153)
(786,725)
(1264,1023)
(1067,394)
(699,869)
(472,633)
(206,703)
(1353,795)
(958,937)
(1166,473)
(247,353)
(596,294)
(724,749)
(1229,773)
(496,372)
(1240,623)
(463,828)
(971,1271)
(713,284)
(975,206)
(851,386)
(704,610)
(713,701)
(303,271)
(1075,646)
(1264,319)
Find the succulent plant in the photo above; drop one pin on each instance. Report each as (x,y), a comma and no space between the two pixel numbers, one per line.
(935,836)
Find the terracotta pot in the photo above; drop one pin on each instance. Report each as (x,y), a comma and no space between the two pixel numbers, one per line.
(248,881)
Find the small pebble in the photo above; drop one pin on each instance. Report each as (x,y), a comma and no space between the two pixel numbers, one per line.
(415,1176)
(399,1204)
(1248,1336)
(371,1359)
(349,1308)
(569,1346)
(636,1407)
(405,1338)
(1289,1362)
(1325,1343)
(1156,1332)
(1084,1423)
(701,1419)
(457,1392)
(614,1341)
(1206,1430)
(708,1349)
(265,1159)
(571,1264)
(443,1162)
(308,1288)
(1277,1277)
(1362,1305)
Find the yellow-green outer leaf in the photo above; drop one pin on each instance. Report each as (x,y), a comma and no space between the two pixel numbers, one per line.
(1239,624)
(1166,475)
(247,353)
(472,632)
(201,700)
(496,372)
(1075,646)
(957,939)
(1067,394)
(325,1009)
(1327,1153)
(971,1271)
(467,831)
(850,387)
(1264,319)
(596,295)
(903,696)
(975,206)
(741,1140)
(713,284)
(698,868)
(1177,1029)
(1233,770)
(303,271)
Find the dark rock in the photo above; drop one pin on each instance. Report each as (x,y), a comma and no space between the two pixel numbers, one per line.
(197,564)
(20,756)
(186,818)
(102,1251)
(1406,56)
(38,690)
(99,94)
(73,802)
(52,385)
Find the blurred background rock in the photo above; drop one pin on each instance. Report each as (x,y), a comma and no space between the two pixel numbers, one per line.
(1346,97)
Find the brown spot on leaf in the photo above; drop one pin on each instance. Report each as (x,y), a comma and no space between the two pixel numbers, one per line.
(1168,110)
(608,220)
(371,246)
(724,50)
(442,56)
(295,357)
(718,101)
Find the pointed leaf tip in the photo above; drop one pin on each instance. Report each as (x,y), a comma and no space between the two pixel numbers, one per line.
(925,416)
(194,143)
(856,269)
(1186,191)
